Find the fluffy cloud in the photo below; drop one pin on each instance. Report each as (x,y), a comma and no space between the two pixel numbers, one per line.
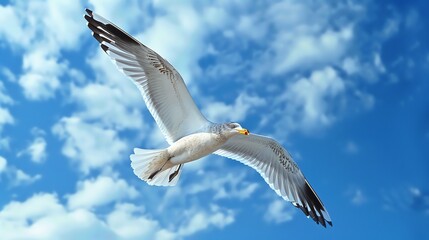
(200,220)
(90,145)
(242,106)
(37,148)
(38,29)
(279,211)
(129,222)
(103,190)
(230,186)
(308,100)
(43,217)
(42,73)
(106,105)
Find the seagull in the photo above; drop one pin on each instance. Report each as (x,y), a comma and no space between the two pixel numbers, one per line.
(190,135)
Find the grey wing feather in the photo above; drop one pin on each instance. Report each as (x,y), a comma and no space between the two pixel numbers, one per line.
(278,169)
(161,86)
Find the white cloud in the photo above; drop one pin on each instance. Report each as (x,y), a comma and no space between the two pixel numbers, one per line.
(103,190)
(106,105)
(230,186)
(367,100)
(201,220)
(5,117)
(107,74)
(391,27)
(43,217)
(36,150)
(90,145)
(351,65)
(129,222)
(38,29)
(297,42)
(19,177)
(41,75)
(378,63)
(242,106)
(8,74)
(279,211)
(309,51)
(4,98)
(3,164)
(15,176)
(4,143)
(308,100)
(358,198)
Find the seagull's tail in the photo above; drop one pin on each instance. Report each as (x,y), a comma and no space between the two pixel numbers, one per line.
(154,167)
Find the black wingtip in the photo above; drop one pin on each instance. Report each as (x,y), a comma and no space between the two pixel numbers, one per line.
(104,47)
(109,28)
(88,11)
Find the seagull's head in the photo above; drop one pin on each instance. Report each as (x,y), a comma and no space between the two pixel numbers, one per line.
(236,128)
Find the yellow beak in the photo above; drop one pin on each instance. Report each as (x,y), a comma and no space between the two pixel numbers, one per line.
(243,131)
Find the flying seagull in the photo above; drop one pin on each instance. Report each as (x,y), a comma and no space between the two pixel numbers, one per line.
(190,135)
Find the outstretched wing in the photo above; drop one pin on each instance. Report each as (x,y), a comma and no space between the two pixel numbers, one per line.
(278,169)
(161,86)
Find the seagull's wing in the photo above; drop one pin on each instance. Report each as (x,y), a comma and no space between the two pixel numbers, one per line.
(161,86)
(278,169)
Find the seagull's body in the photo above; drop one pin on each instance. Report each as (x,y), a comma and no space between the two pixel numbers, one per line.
(190,135)
(196,146)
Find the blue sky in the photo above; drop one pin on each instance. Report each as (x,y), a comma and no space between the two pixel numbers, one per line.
(341,84)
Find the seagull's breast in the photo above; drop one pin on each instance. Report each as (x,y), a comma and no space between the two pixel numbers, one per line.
(194,146)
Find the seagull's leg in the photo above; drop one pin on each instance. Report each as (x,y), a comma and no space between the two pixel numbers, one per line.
(173,175)
(157,171)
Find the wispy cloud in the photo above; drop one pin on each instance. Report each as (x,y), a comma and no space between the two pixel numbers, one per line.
(279,211)
(351,147)
(15,176)
(37,148)
(3,164)
(407,199)
(358,197)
